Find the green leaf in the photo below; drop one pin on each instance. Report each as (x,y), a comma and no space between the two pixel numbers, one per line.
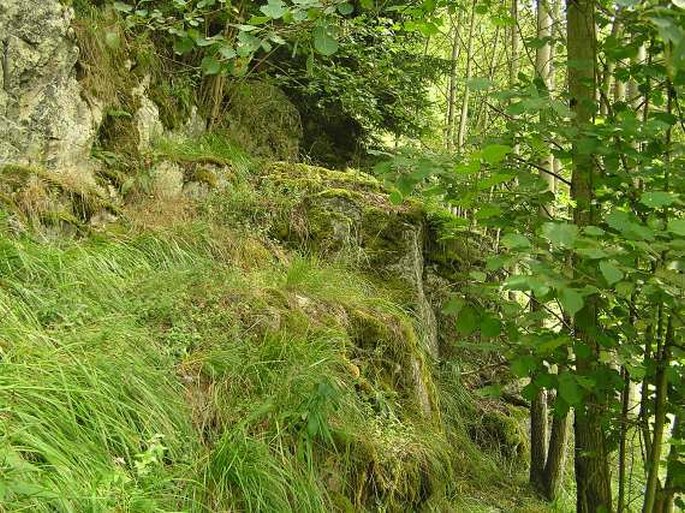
(479,84)
(490,327)
(571,300)
(522,366)
(453,306)
(183,45)
(396,197)
(346,9)
(479,276)
(274,9)
(495,153)
(677,226)
(561,234)
(592,253)
(611,273)
(227,52)
(324,42)
(122,7)
(515,241)
(467,321)
(569,389)
(210,65)
(658,199)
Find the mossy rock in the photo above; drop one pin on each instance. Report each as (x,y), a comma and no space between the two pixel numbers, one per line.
(39,198)
(501,433)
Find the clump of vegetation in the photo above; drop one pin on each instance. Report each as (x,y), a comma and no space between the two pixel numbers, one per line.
(203,366)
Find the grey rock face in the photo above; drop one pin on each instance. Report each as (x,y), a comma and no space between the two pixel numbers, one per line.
(44,120)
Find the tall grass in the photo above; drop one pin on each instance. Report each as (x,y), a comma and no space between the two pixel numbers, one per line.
(170,371)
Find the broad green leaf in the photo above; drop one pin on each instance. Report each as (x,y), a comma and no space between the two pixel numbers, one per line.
(183,45)
(569,389)
(210,65)
(396,197)
(523,365)
(467,321)
(611,273)
(625,288)
(594,231)
(592,253)
(478,276)
(488,211)
(677,226)
(518,282)
(561,234)
(658,199)
(274,9)
(549,346)
(346,9)
(454,306)
(495,153)
(490,327)
(122,7)
(515,241)
(571,300)
(324,42)
(227,52)
(479,84)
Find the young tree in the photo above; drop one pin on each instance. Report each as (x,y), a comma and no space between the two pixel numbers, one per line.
(591,452)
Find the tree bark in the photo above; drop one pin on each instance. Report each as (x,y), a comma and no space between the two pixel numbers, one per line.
(591,456)
(463,120)
(652,488)
(556,457)
(452,94)
(538,441)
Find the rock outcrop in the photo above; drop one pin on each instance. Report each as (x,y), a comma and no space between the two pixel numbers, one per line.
(44,120)
(348,215)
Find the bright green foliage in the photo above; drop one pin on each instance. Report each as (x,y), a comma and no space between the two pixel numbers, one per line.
(545,268)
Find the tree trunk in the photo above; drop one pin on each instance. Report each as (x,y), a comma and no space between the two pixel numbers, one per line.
(514,42)
(538,440)
(463,120)
(591,458)
(652,488)
(543,70)
(556,457)
(452,94)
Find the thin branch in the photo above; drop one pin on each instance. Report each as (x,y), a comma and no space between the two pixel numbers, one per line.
(541,169)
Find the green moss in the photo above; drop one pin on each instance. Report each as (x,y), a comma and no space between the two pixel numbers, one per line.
(503,434)
(203,175)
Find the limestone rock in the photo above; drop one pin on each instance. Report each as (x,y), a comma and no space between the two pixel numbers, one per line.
(43,118)
(146,118)
(167,180)
(350,214)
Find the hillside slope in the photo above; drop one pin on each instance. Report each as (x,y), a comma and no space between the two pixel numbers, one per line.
(237,336)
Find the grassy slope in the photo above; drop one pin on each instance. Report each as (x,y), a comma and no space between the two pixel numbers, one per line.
(177,364)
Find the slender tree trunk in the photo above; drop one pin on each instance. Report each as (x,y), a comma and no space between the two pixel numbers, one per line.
(668,494)
(556,457)
(608,72)
(543,70)
(452,95)
(623,435)
(463,120)
(514,42)
(652,489)
(538,440)
(591,456)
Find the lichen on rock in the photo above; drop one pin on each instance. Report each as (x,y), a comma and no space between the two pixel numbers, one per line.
(43,118)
